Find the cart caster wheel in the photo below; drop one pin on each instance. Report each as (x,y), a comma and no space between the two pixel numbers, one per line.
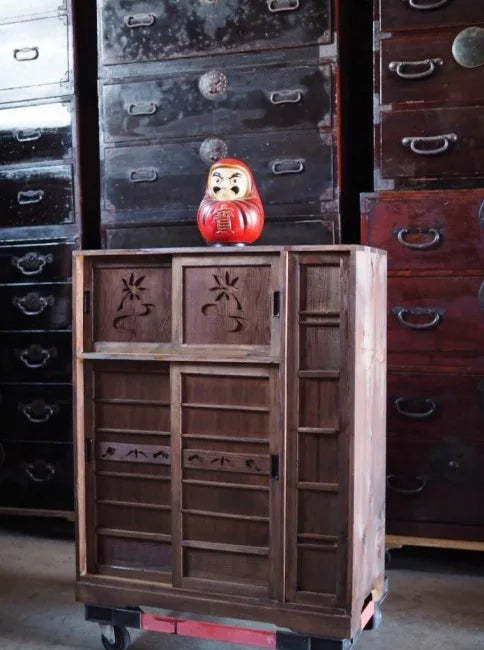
(116,638)
(376,620)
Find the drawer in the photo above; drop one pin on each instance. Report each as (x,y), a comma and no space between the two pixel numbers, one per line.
(34,53)
(288,168)
(35,133)
(154,30)
(433,230)
(436,320)
(192,104)
(10,9)
(427,406)
(36,475)
(36,262)
(421,14)
(36,412)
(440,482)
(36,196)
(36,306)
(441,142)
(419,68)
(43,356)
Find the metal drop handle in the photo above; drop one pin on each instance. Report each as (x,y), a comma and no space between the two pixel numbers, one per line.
(139,20)
(430,65)
(147,108)
(48,469)
(32,263)
(33,304)
(26,54)
(422,415)
(446,139)
(402,232)
(28,197)
(424,6)
(143,175)
(402,312)
(421,483)
(275,6)
(280,167)
(35,356)
(28,135)
(38,411)
(286,96)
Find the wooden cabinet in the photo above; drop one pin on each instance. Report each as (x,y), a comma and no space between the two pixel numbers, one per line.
(230,431)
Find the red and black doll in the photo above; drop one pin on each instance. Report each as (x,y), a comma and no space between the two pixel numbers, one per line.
(231,211)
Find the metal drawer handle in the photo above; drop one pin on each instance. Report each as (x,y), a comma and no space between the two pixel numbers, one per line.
(26,54)
(430,64)
(480,215)
(286,96)
(27,197)
(280,167)
(33,303)
(275,6)
(445,139)
(38,411)
(422,415)
(427,5)
(148,108)
(139,20)
(420,481)
(28,135)
(481,296)
(143,175)
(47,471)
(35,356)
(433,232)
(402,312)
(32,263)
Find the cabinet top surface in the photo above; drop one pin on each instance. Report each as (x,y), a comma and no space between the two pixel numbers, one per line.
(226,250)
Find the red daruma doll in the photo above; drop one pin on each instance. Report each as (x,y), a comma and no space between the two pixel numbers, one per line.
(231,211)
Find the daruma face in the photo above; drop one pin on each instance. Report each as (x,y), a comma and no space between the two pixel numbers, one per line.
(229,183)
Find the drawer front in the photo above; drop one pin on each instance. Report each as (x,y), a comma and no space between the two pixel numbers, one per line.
(36,307)
(427,406)
(35,133)
(427,231)
(288,168)
(440,482)
(36,412)
(36,262)
(421,14)
(36,196)
(22,8)
(36,475)
(432,143)
(436,320)
(190,104)
(43,356)
(145,30)
(422,68)
(34,53)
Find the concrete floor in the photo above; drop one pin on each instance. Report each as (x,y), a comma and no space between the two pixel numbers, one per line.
(436,599)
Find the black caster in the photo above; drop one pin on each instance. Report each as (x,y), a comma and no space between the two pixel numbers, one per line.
(375,621)
(115,637)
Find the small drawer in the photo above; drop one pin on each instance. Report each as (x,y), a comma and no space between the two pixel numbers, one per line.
(426,230)
(435,482)
(36,412)
(35,133)
(10,9)
(427,406)
(43,356)
(155,30)
(435,143)
(259,98)
(288,168)
(36,475)
(436,320)
(36,196)
(417,68)
(421,14)
(36,262)
(34,53)
(36,306)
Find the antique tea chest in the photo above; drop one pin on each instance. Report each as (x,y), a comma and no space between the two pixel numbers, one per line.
(230,432)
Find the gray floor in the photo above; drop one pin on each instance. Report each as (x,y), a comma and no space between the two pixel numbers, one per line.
(436,599)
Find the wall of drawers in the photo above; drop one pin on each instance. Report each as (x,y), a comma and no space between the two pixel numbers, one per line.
(41,192)
(183,84)
(428,213)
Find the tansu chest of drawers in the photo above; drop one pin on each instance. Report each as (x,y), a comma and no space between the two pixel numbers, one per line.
(230,432)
